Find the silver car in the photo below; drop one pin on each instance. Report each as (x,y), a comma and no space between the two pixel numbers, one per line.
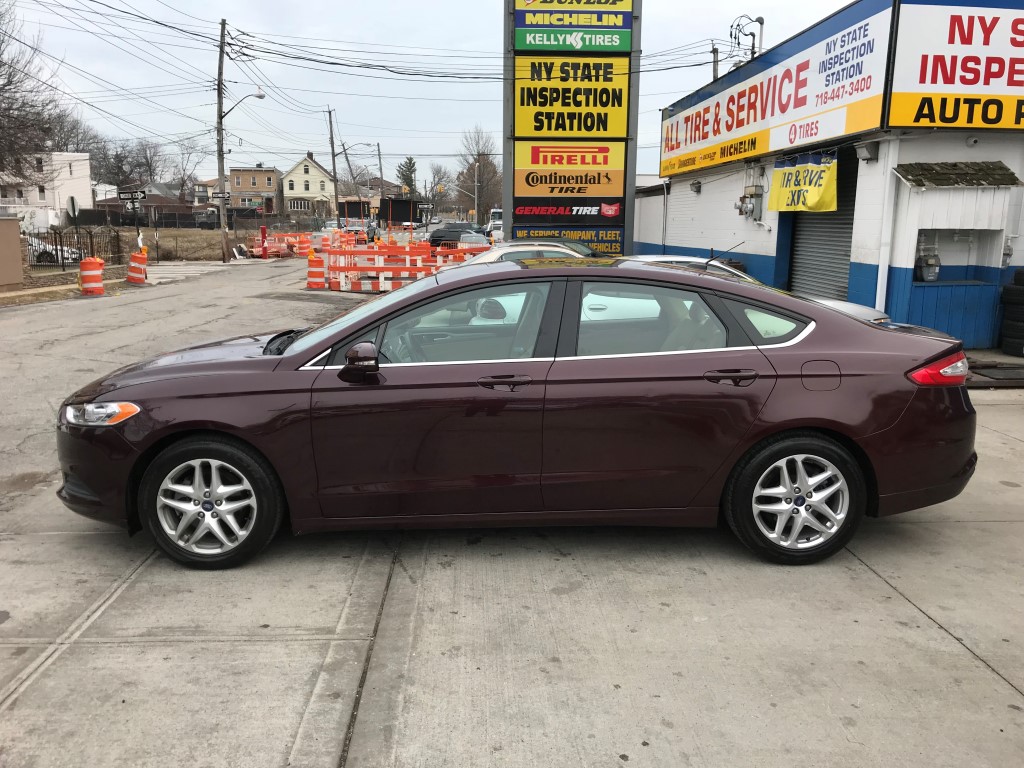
(517,250)
(715,267)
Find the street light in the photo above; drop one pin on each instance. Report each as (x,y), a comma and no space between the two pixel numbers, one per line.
(220,163)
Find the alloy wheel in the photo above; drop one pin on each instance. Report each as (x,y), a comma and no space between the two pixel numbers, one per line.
(206,506)
(800,502)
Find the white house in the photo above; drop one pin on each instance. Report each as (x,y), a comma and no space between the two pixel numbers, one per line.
(42,200)
(309,188)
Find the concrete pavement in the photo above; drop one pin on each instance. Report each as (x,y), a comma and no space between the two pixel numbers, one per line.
(588,647)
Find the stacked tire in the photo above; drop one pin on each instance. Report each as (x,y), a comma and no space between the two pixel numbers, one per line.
(1013,316)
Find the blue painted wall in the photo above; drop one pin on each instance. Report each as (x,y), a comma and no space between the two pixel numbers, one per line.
(863,283)
(967,308)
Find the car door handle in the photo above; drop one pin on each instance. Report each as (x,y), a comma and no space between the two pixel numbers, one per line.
(597,308)
(737,377)
(506,383)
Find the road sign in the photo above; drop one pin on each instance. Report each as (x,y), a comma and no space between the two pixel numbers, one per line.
(221,195)
(426,207)
(72,207)
(140,195)
(131,205)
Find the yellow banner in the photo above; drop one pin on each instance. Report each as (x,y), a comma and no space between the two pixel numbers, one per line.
(950,110)
(751,145)
(805,183)
(583,5)
(585,97)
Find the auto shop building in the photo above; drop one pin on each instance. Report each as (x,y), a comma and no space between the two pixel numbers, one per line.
(853,159)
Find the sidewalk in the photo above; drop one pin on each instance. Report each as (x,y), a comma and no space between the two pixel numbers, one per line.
(51,293)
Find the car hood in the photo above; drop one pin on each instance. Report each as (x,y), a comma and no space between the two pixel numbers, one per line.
(228,355)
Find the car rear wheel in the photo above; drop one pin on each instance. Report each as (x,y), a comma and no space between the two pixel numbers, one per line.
(210,503)
(796,500)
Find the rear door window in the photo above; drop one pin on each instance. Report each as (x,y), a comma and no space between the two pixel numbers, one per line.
(766,326)
(625,319)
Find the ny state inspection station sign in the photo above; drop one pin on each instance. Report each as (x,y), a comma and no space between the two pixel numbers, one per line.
(574,25)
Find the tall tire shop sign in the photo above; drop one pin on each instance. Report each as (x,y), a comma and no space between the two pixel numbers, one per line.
(571,88)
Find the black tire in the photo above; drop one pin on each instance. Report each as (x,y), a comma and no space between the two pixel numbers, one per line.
(46,257)
(266,491)
(1013,295)
(1014,313)
(739,495)
(1012,345)
(1018,277)
(1013,328)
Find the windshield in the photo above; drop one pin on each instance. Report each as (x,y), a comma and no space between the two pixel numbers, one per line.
(355,315)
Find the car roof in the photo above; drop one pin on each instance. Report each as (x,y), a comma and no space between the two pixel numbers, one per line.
(600,267)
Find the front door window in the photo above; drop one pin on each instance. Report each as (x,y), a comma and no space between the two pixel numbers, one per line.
(495,323)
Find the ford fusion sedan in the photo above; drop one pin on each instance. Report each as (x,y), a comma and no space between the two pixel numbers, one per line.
(503,395)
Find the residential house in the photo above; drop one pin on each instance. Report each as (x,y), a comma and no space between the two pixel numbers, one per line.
(40,199)
(204,190)
(309,188)
(254,187)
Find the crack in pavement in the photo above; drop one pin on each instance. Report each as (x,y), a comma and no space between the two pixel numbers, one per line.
(937,623)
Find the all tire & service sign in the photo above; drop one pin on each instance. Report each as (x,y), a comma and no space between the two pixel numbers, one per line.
(569,112)
(825,83)
(958,66)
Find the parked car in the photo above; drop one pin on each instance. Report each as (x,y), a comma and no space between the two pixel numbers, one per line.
(485,396)
(713,266)
(435,220)
(472,238)
(43,252)
(451,232)
(518,250)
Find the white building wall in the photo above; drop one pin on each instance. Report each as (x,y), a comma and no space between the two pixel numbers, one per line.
(71,176)
(649,214)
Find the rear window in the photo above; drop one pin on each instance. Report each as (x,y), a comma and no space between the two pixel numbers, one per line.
(766,326)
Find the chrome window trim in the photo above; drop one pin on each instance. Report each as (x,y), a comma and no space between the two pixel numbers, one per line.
(803,335)
(312,364)
(451,362)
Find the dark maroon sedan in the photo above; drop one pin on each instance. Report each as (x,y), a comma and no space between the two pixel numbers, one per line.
(539,392)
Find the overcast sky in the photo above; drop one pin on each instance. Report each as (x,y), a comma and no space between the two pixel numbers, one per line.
(170,71)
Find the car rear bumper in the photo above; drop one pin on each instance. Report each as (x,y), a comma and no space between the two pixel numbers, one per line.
(96,465)
(928,456)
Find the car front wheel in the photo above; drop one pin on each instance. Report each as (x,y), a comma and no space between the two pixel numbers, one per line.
(796,500)
(210,504)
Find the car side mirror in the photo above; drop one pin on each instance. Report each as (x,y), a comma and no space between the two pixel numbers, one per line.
(360,360)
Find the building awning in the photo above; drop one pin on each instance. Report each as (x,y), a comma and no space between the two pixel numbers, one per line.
(944,175)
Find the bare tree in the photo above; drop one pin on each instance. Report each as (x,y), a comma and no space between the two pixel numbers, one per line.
(441,180)
(480,162)
(347,184)
(151,159)
(28,102)
(183,173)
(69,133)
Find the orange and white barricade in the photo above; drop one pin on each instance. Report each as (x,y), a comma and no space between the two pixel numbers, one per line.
(315,277)
(137,267)
(90,276)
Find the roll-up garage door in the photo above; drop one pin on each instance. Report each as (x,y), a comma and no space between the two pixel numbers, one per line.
(820,264)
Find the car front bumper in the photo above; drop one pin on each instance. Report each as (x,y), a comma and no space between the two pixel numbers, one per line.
(96,465)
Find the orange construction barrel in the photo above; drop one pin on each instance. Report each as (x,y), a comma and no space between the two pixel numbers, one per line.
(90,276)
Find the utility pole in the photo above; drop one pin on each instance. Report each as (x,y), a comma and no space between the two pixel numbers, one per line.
(380,170)
(714,62)
(476,189)
(220,145)
(359,194)
(334,168)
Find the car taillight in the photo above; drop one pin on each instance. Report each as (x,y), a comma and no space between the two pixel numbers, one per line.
(949,371)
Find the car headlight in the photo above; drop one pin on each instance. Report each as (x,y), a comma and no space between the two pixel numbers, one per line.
(99,414)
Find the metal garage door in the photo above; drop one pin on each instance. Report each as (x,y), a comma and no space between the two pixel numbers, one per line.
(820,264)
